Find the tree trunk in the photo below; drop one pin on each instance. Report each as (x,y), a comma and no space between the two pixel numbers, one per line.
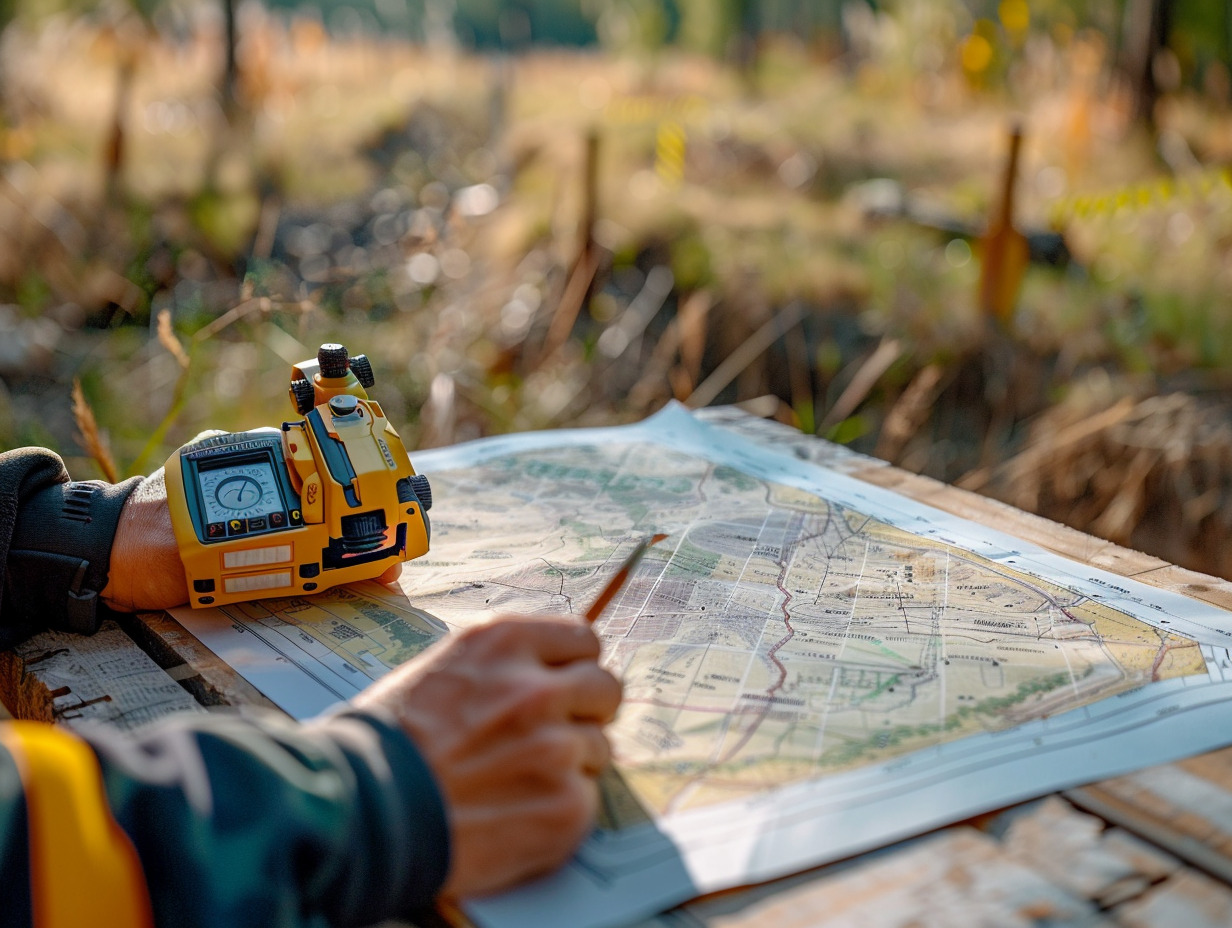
(1148,24)
(231,73)
(744,41)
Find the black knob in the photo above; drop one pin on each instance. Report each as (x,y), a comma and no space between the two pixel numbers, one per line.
(423,490)
(361,367)
(332,359)
(362,532)
(303,395)
(415,490)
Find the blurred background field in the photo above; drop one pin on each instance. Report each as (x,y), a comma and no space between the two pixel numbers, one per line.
(549,213)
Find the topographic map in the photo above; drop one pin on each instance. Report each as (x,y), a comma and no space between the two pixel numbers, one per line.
(812,666)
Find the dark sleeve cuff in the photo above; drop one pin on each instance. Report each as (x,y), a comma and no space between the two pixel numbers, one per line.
(60,554)
(405,825)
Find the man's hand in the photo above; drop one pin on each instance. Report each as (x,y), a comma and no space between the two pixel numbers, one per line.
(146,572)
(509,716)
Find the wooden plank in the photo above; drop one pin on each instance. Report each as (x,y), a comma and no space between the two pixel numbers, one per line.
(1184,807)
(957,878)
(198,669)
(1189,899)
(55,676)
(1209,589)
(1080,853)
(103,677)
(1041,863)
(23,695)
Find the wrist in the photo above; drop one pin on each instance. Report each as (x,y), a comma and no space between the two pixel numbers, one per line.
(146,570)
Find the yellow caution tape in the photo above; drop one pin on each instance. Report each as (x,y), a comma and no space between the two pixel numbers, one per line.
(1153,194)
(648,109)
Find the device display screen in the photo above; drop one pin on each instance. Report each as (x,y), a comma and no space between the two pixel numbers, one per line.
(239,491)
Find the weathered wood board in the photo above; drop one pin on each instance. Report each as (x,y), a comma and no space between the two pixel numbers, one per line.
(1184,807)
(1044,863)
(104,677)
(210,679)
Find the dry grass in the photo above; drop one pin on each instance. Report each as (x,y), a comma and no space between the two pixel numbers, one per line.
(1148,472)
(90,436)
(430,209)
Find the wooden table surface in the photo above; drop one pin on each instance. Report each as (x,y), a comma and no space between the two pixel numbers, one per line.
(1152,848)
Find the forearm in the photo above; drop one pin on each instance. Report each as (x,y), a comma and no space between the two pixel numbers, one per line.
(259,822)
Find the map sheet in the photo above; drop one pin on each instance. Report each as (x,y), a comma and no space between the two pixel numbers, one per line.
(813,666)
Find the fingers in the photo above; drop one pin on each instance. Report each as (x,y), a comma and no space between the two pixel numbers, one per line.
(494,849)
(531,817)
(392,573)
(570,684)
(591,694)
(595,750)
(539,763)
(554,640)
(509,715)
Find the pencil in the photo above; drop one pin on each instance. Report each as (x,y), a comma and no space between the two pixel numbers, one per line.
(622,576)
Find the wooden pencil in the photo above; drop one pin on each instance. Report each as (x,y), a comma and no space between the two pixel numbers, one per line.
(621,578)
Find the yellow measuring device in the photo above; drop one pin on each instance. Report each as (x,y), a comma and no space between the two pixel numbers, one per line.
(286,511)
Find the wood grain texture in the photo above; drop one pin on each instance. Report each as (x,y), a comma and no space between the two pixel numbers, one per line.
(102,677)
(199,670)
(956,878)
(24,695)
(1184,807)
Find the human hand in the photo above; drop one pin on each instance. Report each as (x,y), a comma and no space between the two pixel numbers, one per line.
(509,716)
(145,572)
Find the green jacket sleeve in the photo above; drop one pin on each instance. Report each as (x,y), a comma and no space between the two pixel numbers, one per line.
(257,822)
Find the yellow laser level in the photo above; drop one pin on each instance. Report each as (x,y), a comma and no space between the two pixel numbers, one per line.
(330,499)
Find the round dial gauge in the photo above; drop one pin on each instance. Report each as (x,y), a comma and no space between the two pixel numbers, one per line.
(238,492)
